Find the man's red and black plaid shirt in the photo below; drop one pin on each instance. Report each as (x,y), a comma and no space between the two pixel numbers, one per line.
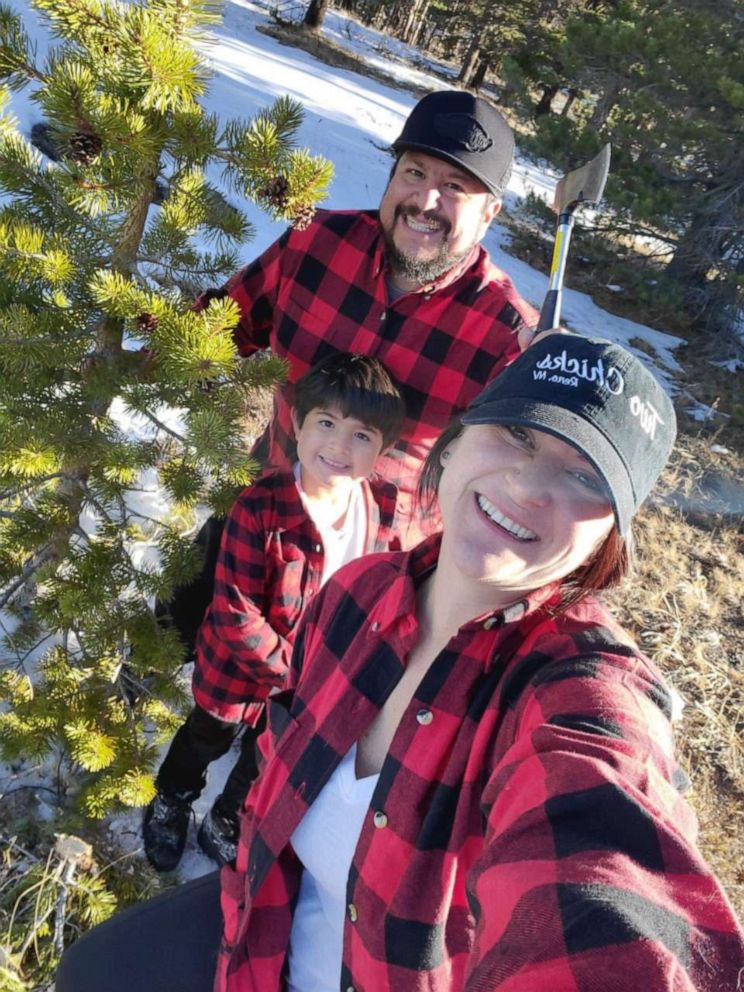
(269,567)
(323,290)
(534,838)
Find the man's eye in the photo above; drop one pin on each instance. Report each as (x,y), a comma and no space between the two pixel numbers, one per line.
(416,173)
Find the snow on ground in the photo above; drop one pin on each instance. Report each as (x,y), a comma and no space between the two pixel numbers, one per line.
(351,119)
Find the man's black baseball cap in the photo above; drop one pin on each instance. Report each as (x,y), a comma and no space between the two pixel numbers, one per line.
(597,397)
(462,129)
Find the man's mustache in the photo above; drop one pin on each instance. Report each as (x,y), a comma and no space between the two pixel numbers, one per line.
(431,215)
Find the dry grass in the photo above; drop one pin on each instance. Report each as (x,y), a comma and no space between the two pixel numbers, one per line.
(684,607)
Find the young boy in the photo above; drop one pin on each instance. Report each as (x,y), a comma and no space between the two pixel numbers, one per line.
(285,535)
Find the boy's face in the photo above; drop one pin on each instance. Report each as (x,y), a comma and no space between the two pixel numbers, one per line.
(334,450)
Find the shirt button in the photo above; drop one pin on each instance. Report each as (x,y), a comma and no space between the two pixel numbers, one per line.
(352,911)
(318,548)
(383,315)
(490,622)
(374,626)
(424,717)
(380,819)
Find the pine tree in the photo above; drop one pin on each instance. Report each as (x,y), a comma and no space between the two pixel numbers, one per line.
(101,252)
(662,80)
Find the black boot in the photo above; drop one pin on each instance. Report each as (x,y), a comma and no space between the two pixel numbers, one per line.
(164,827)
(218,834)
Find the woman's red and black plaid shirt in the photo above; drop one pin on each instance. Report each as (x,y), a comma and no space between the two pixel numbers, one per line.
(527,833)
(323,290)
(269,567)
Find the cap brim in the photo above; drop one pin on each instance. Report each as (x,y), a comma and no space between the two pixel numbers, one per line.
(574,430)
(407,146)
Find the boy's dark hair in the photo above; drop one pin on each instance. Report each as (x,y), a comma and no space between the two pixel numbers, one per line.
(358,386)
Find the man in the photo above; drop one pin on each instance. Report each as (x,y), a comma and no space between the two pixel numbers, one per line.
(409,283)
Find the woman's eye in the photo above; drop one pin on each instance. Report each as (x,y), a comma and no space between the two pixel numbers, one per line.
(589,481)
(520,435)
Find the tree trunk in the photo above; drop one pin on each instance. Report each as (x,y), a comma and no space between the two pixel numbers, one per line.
(708,260)
(572,95)
(544,104)
(603,107)
(395,17)
(415,20)
(472,57)
(315,13)
(479,76)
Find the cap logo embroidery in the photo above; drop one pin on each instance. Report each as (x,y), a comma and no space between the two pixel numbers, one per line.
(464,130)
(567,371)
(647,414)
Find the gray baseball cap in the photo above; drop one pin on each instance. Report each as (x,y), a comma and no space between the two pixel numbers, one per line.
(597,397)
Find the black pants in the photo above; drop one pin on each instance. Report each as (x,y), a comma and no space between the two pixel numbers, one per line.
(199,741)
(167,944)
(185,610)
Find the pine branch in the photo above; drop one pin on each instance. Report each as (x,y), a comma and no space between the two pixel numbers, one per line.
(164,427)
(45,554)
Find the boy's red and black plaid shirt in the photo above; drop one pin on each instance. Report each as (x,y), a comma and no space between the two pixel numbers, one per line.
(269,567)
(527,832)
(323,290)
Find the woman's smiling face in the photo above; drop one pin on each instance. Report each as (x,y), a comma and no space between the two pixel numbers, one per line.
(520,507)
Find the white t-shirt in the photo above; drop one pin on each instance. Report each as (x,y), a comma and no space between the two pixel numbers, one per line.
(325,842)
(340,544)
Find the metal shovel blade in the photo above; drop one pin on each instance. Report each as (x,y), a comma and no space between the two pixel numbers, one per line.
(584,185)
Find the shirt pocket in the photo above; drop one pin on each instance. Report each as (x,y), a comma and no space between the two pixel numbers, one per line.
(287,581)
(305,323)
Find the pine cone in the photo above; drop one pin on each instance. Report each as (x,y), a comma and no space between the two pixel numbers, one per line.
(302,218)
(83,147)
(275,192)
(147,323)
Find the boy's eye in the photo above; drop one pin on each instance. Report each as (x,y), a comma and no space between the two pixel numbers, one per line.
(361,436)
(324,422)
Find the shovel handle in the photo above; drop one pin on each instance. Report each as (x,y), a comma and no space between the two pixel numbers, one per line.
(550,314)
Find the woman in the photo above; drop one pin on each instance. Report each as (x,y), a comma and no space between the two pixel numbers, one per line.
(472,785)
